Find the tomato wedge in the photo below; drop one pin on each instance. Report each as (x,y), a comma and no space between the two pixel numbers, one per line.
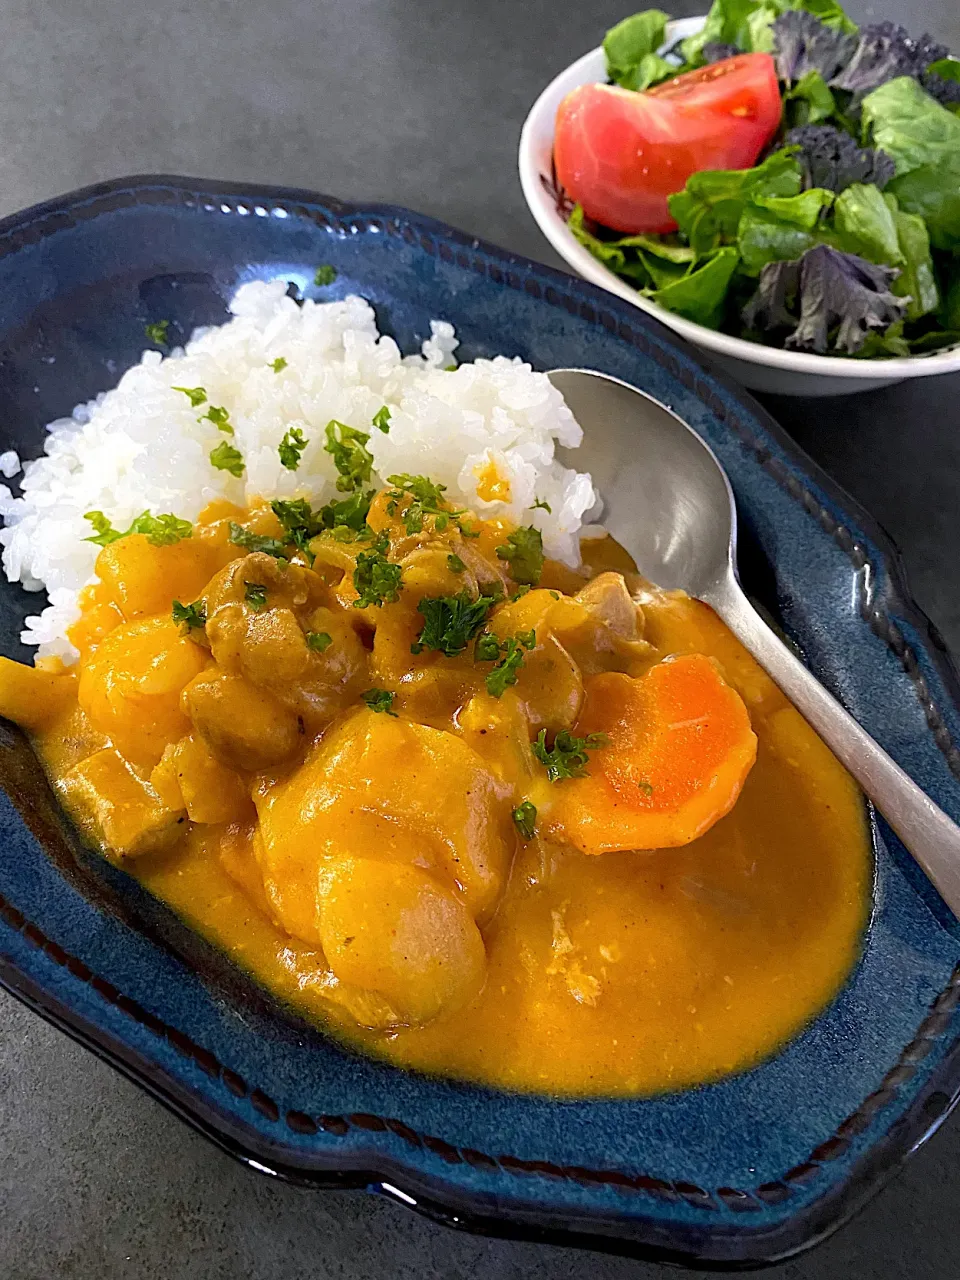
(620,153)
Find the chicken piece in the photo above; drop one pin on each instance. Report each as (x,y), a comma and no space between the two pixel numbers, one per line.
(130,686)
(421,807)
(607,599)
(125,813)
(549,684)
(601,626)
(266,642)
(245,727)
(679,746)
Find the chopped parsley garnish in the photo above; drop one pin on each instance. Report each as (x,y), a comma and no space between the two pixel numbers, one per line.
(568,755)
(296,513)
(255,595)
(426,499)
(380,700)
(279,364)
(508,655)
(525,818)
(487,648)
(350,513)
(319,641)
(157,332)
(381,420)
(539,504)
(250,541)
(160,531)
(520,593)
(455,564)
(300,522)
(523,551)
(103,531)
(220,418)
(451,622)
(191,615)
(376,580)
(291,447)
(197,395)
(354,462)
(325,275)
(346,519)
(226,458)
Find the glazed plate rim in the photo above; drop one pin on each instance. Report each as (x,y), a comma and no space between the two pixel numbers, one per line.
(516,1216)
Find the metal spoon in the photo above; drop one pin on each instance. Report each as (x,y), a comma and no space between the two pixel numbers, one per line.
(676,515)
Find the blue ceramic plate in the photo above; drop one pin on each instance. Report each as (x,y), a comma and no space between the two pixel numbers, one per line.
(751,1169)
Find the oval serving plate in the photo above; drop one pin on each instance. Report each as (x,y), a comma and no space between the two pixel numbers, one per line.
(751,1169)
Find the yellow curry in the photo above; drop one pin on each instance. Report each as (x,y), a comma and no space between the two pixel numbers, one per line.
(476,812)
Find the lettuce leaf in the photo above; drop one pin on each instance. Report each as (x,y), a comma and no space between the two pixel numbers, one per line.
(809,101)
(923,140)
(932,192)
(726,23)
(631,50)
(778,228)
(911,126)
(917,280)
(748,24)
(765,238)
(701,293)
(865,225)
(709,208)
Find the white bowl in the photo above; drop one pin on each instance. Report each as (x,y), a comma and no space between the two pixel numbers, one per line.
(762,368)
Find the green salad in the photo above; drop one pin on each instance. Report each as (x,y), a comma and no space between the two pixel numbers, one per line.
(844,238)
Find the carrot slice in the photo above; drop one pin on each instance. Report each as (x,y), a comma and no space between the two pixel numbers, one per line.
(680,747)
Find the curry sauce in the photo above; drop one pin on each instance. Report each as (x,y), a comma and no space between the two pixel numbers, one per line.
(476,813)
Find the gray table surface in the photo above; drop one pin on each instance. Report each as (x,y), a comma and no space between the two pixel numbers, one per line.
(417,103)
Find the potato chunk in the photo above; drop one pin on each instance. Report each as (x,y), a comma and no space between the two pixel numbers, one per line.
(395,931)
(190,775)
(140,578)
(32,697)
(421,804)
(130,686)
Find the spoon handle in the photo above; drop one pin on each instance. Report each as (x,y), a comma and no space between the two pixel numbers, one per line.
(928,834)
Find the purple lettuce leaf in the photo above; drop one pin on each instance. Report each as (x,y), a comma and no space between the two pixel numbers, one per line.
(717,51)
(830,158)
(885,51)
(802,43)
(830,300)
(946,92)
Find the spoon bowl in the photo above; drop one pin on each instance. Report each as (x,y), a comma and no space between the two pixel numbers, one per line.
(673,509)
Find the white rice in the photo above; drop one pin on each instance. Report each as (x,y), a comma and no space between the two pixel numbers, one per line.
(9,463)
(143,447)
